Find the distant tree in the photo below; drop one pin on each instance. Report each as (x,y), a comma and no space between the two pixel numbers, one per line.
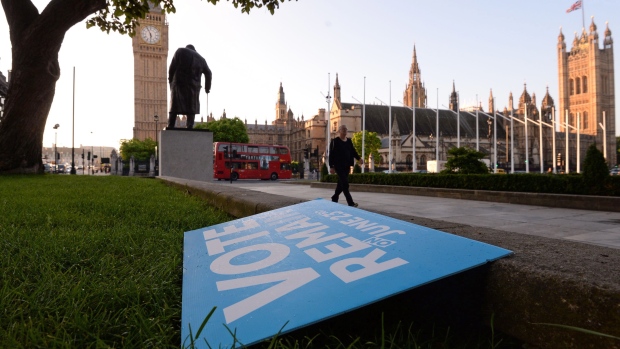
(324,172)
(595,169)
(295,166)
(465,160)
(372,144)
(227,130)
(141,150)
(36,39)
(618,145)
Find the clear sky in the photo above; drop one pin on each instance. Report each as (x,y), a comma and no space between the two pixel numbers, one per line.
(479,44)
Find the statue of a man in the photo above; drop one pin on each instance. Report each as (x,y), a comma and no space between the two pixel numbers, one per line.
(184,75)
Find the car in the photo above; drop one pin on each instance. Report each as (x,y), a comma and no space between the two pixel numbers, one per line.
(420,171)
(388,171)
(500,171)
(614,171)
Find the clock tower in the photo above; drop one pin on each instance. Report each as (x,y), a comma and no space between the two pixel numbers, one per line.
(150,57)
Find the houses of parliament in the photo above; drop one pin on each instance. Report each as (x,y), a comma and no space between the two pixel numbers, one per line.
(521,134)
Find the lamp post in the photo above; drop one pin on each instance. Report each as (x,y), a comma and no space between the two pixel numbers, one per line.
(328,113)
(56,146)
(363,125)
(602,125)
(389,129)
(92,156)
(156,117)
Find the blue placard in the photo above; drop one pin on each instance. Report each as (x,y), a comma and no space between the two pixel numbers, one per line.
(304,263)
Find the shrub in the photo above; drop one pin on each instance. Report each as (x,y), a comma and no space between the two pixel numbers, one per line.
(595,170)
(324,172)
(465,160)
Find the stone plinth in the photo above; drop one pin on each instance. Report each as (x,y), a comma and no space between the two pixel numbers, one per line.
(186,154)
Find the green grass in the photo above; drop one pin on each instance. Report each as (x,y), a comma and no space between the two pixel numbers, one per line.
(96,262)
(93,262)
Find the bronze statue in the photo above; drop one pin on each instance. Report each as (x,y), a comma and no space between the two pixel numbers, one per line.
(184,75)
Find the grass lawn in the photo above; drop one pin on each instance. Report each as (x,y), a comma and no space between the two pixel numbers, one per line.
(93,262)
(96,262)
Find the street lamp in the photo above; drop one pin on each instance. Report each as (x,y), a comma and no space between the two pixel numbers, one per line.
(92,155)
(156,118)
(389,128)
(56,145)
(363,125)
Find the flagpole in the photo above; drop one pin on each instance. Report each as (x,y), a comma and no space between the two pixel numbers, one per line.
(583,18)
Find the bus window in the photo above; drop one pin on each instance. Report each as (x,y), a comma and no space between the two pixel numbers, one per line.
(236,165)
(283,150)
(273,150)
(284,166)
(252,149)
(263,150)
(251,165)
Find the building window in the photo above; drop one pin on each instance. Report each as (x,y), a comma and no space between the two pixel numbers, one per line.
(335,126)
(571,87)
(584,120)
(571,119)
(584,84)
(577,85)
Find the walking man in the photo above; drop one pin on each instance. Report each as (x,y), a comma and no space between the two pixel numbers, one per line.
(184,73)
(341,155)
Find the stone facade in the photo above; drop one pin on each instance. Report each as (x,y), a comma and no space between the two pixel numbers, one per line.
(587,89)
(298,133)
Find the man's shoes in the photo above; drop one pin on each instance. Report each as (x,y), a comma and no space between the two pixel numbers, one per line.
(354,204)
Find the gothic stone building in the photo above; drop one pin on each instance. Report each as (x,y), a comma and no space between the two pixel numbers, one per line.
(296,133)
(531,136)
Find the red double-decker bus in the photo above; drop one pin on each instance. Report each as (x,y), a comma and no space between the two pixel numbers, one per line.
(251,161)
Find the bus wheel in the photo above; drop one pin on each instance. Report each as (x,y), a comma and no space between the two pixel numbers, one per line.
(235,176)
(274,176)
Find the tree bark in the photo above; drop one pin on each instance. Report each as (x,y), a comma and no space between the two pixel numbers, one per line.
(36,40)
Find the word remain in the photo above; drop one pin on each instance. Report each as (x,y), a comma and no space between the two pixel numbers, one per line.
(245,249)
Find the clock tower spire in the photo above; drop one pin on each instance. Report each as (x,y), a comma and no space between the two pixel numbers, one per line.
(150,55)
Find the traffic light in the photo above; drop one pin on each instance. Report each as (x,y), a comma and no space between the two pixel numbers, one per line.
(82,155)
(88,158)
(57,156)
(316,151)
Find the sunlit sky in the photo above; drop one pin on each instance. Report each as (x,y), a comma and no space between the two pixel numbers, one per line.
(479,44)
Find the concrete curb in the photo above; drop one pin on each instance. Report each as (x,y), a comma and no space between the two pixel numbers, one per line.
(580,202)
(545,281)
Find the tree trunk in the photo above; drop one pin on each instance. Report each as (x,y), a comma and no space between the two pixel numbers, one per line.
(36,39)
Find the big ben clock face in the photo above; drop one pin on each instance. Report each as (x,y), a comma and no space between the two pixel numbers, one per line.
(150,34)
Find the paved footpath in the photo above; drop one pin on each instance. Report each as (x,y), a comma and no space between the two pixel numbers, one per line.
(593,227)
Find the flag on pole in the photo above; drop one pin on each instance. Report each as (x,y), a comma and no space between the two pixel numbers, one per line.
(575,6)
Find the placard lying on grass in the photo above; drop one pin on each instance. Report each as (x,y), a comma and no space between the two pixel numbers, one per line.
(304,263)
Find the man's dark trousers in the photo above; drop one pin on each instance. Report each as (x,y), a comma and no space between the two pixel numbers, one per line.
(343,184)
